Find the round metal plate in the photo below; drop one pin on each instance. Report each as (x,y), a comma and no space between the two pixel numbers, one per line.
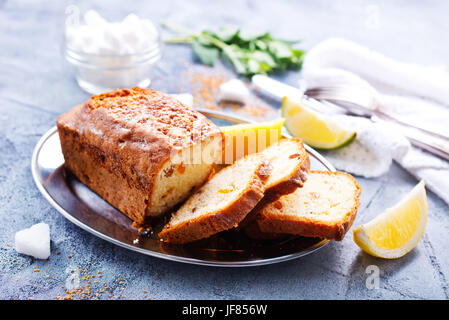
(87,210)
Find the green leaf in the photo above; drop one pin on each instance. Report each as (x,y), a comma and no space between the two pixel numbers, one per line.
(207,54)
(247,37)
(297,53)
(204,41)
(282,65)
(265,37)
(235,55)
(261,45)
(263,57)
(253,67)
(289,42)
(249,54)
(296,60)
(227,34)
(280,50)
(265,68)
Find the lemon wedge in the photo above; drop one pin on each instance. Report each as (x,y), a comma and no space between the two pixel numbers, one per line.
(317,130)
(243,139)
(398,229)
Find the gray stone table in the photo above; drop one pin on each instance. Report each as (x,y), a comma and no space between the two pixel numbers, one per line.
(36,85)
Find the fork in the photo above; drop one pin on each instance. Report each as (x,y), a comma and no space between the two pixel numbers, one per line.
(360,102)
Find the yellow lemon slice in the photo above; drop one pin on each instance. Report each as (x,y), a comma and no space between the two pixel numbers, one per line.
(317,130)
(243,139)
(396,231)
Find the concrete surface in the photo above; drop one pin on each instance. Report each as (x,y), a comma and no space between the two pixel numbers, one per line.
(36,85)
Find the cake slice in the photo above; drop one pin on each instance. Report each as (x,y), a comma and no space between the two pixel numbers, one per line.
(324,207)
(221,203)
(290,164)
(139,149)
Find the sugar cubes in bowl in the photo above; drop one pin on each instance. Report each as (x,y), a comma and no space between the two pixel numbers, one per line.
(110,55)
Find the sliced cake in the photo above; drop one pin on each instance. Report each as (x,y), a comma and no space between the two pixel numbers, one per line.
(324,207)
(290,162)
(221,203)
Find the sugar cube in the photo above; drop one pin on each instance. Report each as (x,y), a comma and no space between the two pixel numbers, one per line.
(34,241)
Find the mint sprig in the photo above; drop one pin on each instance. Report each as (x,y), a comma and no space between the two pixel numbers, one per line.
(249,55)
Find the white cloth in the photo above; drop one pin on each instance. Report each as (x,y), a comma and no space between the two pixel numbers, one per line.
(416,92)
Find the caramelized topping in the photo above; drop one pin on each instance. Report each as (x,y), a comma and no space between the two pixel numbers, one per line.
(181,168)
(169,171)
(154,110)
(277,205)
(295,155)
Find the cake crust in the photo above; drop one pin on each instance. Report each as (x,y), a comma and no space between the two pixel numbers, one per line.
(223,219)
(117,142)
(307,227)
(296,177)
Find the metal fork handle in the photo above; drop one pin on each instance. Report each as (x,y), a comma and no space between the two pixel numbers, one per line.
(361,103)
(434,147)
(416,136)
(423,140)
(392,117)
(365,105)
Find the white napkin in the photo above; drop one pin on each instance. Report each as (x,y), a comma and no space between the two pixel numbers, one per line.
(415,92)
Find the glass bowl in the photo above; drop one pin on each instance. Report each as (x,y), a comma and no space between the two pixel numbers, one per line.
(99,73)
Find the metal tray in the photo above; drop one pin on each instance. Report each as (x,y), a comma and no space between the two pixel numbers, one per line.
(87,210)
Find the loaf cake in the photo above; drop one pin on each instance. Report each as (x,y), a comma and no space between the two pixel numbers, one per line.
(324,207)
(221,203)
(139,149)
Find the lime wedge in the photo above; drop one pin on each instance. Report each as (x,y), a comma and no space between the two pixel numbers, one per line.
(317,130)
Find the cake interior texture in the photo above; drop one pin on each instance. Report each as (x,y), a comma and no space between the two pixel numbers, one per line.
(324,207)
(324,197)
(290,163)
(182,174)
(139,149)
(220,204)
(223,189)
